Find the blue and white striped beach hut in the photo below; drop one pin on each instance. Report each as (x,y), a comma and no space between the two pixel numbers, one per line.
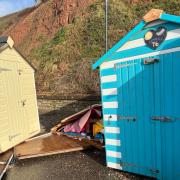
(140,86)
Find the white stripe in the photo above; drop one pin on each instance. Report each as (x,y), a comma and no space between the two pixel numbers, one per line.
(109,117)
(111,91)
(155,23)
(113,154)
(110,78)
(113,130)
(140,42)
(113,142)
(110,64)
(110,104)
(114,165)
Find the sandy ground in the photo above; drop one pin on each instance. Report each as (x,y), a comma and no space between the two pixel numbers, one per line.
(84,165)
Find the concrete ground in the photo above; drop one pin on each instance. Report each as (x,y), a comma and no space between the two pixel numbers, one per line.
(89,164)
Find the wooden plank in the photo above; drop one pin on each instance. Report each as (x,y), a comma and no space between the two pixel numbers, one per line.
(5,156)
(3,168)
(153,15)
(48,145)
(93,143)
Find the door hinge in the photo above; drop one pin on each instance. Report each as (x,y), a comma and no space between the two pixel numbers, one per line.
(138,166)
(161,118)
(127,118)
(14,136)
(150,61)
(154,171)
(118,66)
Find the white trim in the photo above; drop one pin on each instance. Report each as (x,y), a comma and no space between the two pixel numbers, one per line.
(113,142)
(114,165)
(109,78)
(113,130)
(140,42)
(113,104)
(110,91)
(110,117)
(155,23)
(113,154)
(110,64)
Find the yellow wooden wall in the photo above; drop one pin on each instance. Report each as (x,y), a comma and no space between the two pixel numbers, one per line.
(19,118)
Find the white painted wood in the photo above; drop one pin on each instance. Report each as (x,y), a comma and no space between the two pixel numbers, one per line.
(114,154)
(110,104)
(110,78)
(113,130)
(155,23)
(114,165)
(140,42)
(113,142)
(110,91)
(110,117)
(110,64)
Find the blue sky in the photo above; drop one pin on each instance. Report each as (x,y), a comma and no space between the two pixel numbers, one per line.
(10,6)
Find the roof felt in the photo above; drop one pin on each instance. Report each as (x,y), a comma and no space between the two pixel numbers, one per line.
(4,44)
(151,16)
(3,41)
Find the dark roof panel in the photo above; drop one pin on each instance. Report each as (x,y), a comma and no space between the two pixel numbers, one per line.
(3,39)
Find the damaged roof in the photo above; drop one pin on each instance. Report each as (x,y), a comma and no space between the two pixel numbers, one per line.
(3,42)
(7,41)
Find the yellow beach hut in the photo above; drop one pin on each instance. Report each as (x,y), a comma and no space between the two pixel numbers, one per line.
(19,118)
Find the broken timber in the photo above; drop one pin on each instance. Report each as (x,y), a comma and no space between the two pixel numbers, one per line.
(73,117)
(48,144)
(5,160)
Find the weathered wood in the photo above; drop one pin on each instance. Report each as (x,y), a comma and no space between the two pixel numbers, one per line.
(48,145)
(152,15)
(3,168)
(5,156)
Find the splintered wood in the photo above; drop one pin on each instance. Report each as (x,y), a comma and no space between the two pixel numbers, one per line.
(153,15)
(47,145)
(5,156)
(5,160)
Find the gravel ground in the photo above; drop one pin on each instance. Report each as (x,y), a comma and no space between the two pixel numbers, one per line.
(89,164)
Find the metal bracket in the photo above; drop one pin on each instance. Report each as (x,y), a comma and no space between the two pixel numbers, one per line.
(128,118)
(137,166)
(161,118)
(118,66)
(14,136)
(150,61)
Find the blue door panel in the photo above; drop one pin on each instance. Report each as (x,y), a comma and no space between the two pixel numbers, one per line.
(150,146)
(136,99)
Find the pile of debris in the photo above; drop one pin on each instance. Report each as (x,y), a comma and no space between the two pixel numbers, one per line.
(86,126)
(78,132)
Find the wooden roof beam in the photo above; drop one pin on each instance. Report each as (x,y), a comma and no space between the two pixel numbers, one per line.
(153,15)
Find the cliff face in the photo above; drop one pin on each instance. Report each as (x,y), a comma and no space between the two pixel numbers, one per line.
(63,38)
(45,21)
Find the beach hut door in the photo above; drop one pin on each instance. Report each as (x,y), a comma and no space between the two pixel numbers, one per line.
(140,135)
